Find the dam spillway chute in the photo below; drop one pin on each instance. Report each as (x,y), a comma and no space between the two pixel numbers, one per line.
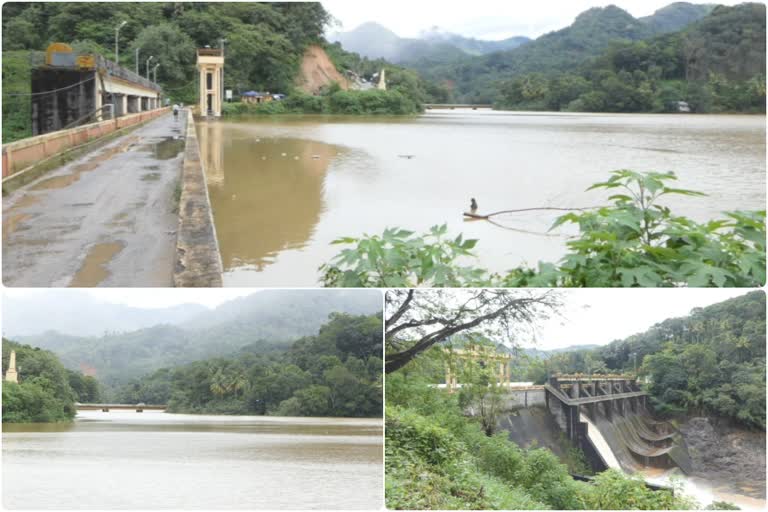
(601,445)
(611,410)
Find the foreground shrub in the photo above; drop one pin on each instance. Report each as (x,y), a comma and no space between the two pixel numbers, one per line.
(636,241)
(439,459)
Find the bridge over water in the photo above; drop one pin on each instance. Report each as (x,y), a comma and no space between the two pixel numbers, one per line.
(453,106)
(140,407)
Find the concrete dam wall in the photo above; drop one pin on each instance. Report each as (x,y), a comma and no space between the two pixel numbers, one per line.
(619,434)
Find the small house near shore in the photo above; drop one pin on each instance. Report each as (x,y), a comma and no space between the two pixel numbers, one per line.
(256,97)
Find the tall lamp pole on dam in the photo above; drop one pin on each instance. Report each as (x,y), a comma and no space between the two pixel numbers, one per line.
(149,59)
(221,42)
(117,38)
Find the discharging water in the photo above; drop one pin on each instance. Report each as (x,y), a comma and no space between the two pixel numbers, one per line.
(155,460)
(283,188)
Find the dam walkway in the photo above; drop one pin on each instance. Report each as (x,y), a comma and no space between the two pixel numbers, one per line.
(107,218)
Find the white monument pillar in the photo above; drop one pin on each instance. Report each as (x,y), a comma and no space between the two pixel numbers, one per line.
(382,85)
(11,375)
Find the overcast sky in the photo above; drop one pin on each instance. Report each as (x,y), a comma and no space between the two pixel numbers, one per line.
(482,19)
(589,316)
(145,297)
(599,316)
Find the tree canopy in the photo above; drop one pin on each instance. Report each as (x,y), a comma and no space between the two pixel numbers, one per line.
(711,362)
(418,319)
(337,372)
(46,391)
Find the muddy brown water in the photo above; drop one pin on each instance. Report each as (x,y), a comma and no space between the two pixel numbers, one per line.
(283,188)
(155,460)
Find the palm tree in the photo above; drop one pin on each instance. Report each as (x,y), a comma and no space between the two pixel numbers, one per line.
(219,383)
(239,381)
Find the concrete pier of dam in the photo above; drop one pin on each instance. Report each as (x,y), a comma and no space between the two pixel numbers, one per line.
(605,417)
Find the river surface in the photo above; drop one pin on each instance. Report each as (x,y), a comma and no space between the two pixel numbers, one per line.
(283,188)
(155,460)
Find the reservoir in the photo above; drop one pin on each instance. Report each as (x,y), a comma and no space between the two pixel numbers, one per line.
(283,188)
(155,460)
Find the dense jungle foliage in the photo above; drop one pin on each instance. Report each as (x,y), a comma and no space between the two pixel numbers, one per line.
(711,362)
(264,41)
(333,101)
(715,65)
(46,391)
(264,45)
(264,322)
(337,372)
(608,61)
(637,241)
(437,458)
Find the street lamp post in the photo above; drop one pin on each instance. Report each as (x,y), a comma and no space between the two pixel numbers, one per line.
(154,73)
(149,59)
(634,359)
(117,36)
(137,60)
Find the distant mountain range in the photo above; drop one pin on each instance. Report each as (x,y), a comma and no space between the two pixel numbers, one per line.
(262,322)
(472,67)
(79,313)
(375,41)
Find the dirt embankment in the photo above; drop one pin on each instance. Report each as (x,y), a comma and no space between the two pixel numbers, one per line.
(727,454)
(317,71)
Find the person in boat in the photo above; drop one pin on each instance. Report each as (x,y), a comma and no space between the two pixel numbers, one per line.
(473,206)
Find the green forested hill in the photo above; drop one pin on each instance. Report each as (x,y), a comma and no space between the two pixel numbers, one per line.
(676,16)
(608,61)
(716,64)
(335,372)
(565,49)
(46,391)
(265,41)
(730,42)
(709,362)
(263,322)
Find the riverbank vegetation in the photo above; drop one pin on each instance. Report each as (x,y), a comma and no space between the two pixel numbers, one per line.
(46,391)
(438,457)
(337,372)
(635,241)
(333,101)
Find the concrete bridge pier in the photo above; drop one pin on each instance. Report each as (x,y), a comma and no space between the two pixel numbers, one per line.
(132,104)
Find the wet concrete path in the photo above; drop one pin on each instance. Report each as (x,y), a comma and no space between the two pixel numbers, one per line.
(105,219)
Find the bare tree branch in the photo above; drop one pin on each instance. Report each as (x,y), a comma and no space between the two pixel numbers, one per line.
(426,317)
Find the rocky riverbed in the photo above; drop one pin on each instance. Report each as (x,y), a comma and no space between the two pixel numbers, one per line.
(729,455)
